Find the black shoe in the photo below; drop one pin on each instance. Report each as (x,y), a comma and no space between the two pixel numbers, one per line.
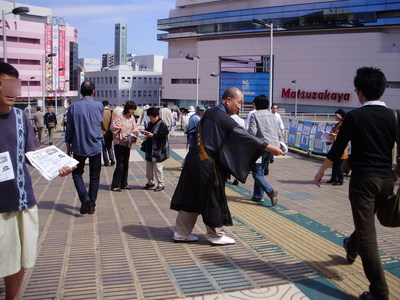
(266,171)
(126,187)
(274,197)
(85,207)
(91,210)
(271,161)
(350,257)
(116,189)
(337,183)
(235,182)
(159,188)
(148,186)
(330,181)
(369,296)
(113,162)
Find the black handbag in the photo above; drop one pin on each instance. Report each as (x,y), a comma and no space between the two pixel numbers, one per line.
(143,146)
(388,212)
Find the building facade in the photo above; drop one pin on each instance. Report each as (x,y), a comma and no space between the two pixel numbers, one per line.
(90,64)
(107,60)
(317,47)
(121,83)
(44,49)
(120,44)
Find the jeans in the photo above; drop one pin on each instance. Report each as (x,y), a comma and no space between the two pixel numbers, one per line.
(108,151)
(261,185)
(365,195)
(94,175)
(337,171)
(120,177)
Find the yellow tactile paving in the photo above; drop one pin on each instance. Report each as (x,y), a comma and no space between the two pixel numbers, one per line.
(319,253)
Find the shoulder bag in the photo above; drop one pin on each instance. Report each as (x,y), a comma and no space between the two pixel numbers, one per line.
(388,212)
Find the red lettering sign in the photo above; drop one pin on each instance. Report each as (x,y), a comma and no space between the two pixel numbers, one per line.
(310,95)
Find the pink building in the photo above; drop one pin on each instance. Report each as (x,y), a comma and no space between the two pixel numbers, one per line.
(44,49)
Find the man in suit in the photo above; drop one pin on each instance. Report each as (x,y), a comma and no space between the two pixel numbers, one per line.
(38,121)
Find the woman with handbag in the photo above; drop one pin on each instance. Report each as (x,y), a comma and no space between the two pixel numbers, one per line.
(50,121)
(156,148)
(124,128)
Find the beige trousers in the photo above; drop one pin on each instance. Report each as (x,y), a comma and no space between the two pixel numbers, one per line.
(154,173)
(185,222)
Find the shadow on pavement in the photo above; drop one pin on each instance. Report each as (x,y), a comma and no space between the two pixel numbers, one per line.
(62,208)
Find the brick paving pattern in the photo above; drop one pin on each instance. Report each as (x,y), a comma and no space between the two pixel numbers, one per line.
(125,250)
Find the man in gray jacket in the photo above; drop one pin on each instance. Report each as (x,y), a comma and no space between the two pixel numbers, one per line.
(263,125)
(38,122)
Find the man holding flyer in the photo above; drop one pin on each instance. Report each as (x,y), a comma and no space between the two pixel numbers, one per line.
(19,227)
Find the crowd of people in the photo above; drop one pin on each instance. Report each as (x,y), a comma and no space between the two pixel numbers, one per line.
(220,144)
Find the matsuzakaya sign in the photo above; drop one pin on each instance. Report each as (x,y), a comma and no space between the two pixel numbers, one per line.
(326,95)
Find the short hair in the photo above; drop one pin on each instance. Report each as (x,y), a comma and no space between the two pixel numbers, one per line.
(38,108)
(341,113)
(105,103)
(274,104)
(8,69)
(262,95)
(261,102)
(371,82)
(87,88)
(129,105)
(230,93)
(153,111)
(165,104)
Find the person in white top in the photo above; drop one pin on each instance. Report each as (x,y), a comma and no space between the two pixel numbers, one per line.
(242,124)
(281,127)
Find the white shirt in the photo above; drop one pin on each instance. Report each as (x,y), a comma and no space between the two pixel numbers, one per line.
(239,120)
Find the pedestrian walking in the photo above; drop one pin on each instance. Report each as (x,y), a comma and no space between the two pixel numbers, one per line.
(50,121)
(38,122)
(223,147)
(84,140)
(124,129)
(19,227)
(263,125)
(372,132)
(156,147)
(108,151)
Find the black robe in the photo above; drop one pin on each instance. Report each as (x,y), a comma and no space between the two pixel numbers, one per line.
(231,150)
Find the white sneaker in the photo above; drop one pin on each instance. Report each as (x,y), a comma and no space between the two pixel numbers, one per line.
(224,240)
(185,238)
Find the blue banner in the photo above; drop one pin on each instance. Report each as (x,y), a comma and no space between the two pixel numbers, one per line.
(252,84)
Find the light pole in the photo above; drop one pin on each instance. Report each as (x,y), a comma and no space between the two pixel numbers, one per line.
(271,54)
(56,87)
(215,75)
(16,11)
(295,101)
(29,97)
(197,59)
(159,95)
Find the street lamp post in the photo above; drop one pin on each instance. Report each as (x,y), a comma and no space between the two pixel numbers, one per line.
(295,101)
(16,11)
(271,54)
(197,59)
(215,75)
(56,87)
(159,95)
(29,97)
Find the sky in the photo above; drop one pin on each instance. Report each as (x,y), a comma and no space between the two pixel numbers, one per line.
(95,20)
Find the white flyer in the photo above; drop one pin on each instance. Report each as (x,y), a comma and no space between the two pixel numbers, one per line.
(6,168)
(327,137)
(48,161)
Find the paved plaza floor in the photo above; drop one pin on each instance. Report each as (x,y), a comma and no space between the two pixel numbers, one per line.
(125,250)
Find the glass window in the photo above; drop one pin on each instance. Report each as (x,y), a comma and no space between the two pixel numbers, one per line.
(102,94)
(134,93)
(102,80)
(115,80)
(160,80)
(106,79)
(140,94)
(133,79)
(115,93)
(106,93)
(144,80)
(144,94)
(140,80)
(150,80)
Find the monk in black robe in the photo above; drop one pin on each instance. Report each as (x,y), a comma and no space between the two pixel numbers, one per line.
(223,148)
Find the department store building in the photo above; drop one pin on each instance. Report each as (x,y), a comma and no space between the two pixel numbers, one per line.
(317,48)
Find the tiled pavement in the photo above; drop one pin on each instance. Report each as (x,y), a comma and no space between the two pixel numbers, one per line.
(125,250)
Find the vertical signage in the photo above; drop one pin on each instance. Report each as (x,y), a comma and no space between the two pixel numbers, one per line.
(55,49)
(48,61)
(62,57)
(305,135)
